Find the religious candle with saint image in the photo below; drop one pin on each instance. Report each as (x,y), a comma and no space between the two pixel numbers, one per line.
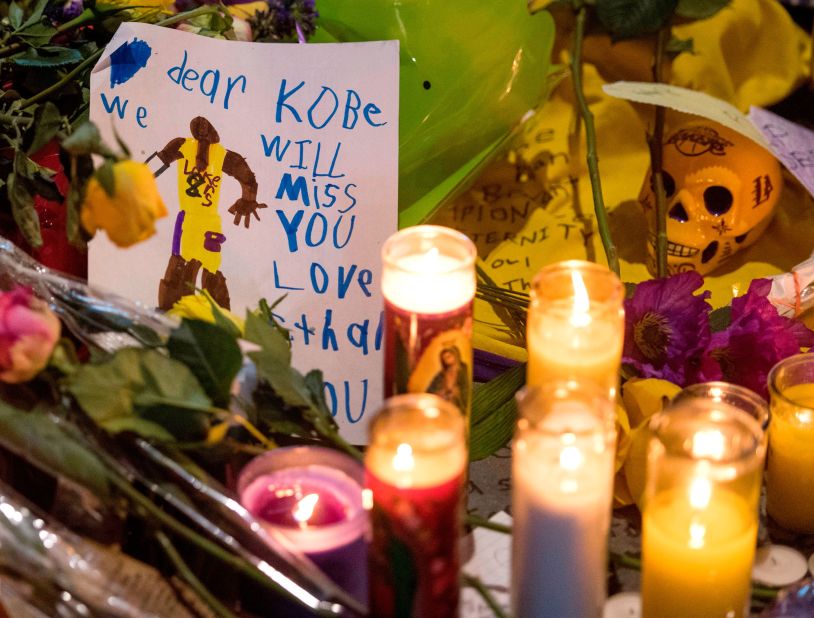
(428,283)
(313,497)
(415,466)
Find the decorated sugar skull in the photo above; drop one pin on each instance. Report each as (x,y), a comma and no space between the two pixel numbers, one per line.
(721,188)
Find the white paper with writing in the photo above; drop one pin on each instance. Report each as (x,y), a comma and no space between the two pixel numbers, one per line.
(317,126)
(791,143)
(492,564)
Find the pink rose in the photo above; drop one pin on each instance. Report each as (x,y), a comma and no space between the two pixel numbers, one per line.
(29,331)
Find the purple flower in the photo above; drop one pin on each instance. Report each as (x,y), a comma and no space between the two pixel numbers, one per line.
(756,339)
(667,330)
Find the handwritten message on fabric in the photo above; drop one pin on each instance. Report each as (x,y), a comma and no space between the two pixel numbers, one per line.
(278,165)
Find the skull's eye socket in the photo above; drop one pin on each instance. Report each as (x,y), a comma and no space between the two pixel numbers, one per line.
(669,184)
(718,200)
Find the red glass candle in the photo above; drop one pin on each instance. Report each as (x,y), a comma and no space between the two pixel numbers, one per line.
(415,469)
(428,282)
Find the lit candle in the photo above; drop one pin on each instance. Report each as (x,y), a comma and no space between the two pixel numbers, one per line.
(576,325)
(700,520)
(415,467)
(562,479)
(312,496)
(739,396)
(428,283)
(790,471)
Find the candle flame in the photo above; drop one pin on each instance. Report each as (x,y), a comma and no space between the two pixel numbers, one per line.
(571,458)
(305,508)
(579,312)
(367,499)
(700,493)
(403,459)
(697,534)
(709,443)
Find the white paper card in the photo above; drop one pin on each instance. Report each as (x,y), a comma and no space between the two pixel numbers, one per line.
(492,564)
(791,143)
(316,128)
(689,102)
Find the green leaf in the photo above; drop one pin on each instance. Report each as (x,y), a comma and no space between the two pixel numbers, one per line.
(145,383)
(37,437)
(84,140)
(493,432)
(679,46)
(15,15)
(47,57)
(720,318)
(211,353)
(494,413)
(143,427)
(36,14)
(271,340)
(73,226)
(699,9)
(273,363)
(104,174)
(625,19)
(20,194)
(221,320)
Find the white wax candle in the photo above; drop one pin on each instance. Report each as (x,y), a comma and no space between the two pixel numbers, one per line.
(561,503)
(428,270)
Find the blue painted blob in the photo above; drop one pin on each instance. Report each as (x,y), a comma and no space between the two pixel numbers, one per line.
(127,60)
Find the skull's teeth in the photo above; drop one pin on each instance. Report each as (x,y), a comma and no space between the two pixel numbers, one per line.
(675,249)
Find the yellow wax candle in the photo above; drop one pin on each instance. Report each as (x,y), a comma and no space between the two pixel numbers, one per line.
(698,560)
(575,325)
(790,471)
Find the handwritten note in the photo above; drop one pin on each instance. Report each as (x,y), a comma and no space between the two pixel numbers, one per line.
(791,143)
(278,165)
(491,563)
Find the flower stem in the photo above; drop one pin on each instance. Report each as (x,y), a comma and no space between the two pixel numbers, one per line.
(193,537)
(476,521)
(656,159)
(189,577)
(483,591)
(68,78)
(590,140)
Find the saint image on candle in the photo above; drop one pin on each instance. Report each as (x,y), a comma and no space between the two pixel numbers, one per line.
(428,283)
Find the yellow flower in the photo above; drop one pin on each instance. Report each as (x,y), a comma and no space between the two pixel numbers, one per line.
(642,399)
(129,216)
(199,307)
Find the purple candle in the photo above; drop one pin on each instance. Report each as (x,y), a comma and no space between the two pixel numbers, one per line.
(313,496)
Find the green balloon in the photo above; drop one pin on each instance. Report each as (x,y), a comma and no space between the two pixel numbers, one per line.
(470,70)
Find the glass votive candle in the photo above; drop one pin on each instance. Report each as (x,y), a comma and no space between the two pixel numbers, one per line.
(700,517)
(562,486)
(313,497)
(428,283)
(415,469)
(576,325)
(790,469)
(739,396)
